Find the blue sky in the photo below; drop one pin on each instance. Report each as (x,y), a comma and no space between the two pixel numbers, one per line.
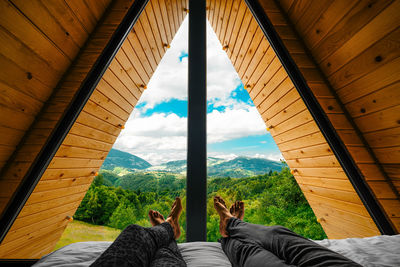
(156,131)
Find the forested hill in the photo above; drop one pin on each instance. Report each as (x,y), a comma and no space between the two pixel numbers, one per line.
(117,158)
(236,168)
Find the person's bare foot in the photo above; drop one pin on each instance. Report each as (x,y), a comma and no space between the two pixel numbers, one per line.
(237,209)
(155,217)
(224,215)
(173,217)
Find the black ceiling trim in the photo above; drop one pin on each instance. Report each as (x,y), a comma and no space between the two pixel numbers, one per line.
(69,117)
(323,122)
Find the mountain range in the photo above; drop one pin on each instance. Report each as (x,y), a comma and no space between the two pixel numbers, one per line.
(216,167)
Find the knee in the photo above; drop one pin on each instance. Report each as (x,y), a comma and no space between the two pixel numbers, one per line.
(133,228)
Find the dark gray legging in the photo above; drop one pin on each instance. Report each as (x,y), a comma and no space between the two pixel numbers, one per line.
(252,245)
(139,246)
(248,245)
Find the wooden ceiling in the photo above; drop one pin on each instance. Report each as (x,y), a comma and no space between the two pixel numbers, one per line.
(346,50)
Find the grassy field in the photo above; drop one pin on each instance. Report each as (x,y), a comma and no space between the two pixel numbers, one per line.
(78,231)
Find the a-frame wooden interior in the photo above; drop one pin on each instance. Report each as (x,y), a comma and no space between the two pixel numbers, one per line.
(347,51)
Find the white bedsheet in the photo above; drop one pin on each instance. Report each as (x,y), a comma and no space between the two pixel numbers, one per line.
(371,251)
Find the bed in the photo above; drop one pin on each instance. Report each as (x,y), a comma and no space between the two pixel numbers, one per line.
(371,251)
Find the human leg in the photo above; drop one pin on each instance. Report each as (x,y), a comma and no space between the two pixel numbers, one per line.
(249,254)
(168,256)
(293,249)
(138,246)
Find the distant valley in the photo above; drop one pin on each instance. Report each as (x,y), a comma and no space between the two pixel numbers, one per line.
(124,163)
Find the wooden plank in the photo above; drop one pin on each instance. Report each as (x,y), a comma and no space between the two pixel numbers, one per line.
(80,141)
(391,206)
(154,29)
(222,13)
(308,152)
(284,93)
(271,85)
(384,138)
(227,17)
(133,57)
(302,131)
(137,47)
(48,185)
(57,218)
(242,33)
(82,12)
(300,118)
(146,45)
(171,18)
(258,58)
(214,21)
(149,36)
(285,114)
(306,141)
(93,133)
(81,153)
(65,17)
(157,21)
(23,56)
(18,100)
(353,222)
(335,172)
(260,78)
(103,114)
(231,23)
(109,92)
(332,193)
(322,161)
(381,189)
(379,100)
(334,14)
(338,204)
(39,15)
(248,40)
(348,26)
(10,136)
(385,22)
(51,174)
(96,123)
(250,53)
(238,21)
(15,119)
(370,171)
(311,14)
(42,196)
(339,184)
(383,119)
(297,10)
(164,15)
(130,85)
(22,29)
(128,67)
(383,51)
(23,80)
(390,155)
(108,104)
(25,250)
(61,163)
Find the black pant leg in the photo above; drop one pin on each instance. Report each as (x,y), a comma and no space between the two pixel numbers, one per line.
(168,256)
(286,245)
(249,254)
(136,246)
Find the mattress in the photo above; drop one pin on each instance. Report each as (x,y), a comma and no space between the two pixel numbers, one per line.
(372,251)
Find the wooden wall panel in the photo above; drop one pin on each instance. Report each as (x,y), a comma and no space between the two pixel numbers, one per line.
(306,151)
(356,47)
(70,173)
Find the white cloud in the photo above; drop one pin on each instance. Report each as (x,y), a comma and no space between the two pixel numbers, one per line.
(234,123)
(162,137)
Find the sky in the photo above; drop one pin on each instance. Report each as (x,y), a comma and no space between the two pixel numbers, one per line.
(157,128)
